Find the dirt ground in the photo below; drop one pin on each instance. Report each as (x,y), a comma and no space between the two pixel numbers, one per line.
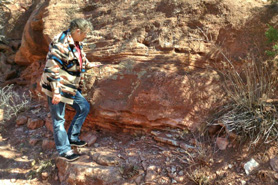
(146,158)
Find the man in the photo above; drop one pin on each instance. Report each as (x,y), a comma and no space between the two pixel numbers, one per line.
(62,81)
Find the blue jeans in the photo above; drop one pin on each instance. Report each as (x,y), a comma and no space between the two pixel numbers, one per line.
(61,136)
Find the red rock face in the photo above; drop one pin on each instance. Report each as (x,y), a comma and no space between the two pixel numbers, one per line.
(145,95)
(160,57)
(33,45)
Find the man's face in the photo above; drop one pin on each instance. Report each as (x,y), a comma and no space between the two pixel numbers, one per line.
(79,35)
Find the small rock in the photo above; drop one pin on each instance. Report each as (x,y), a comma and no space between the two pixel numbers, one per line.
(49,135)
(33,141)
(21,120)
(48,124)
(144,164)
(106,160)
(169,135)
(13,180)
(24,157)
(15,44)
(173,169)
(218,172)
(138,179)
(213,129)
(89,138)
(1,114)
(48,144)
(151,173)
(243,182)
(56,177)
(11,74)
(174,181)
(222,143)
(11,58)
(186,146)
(6,48)
(181,173)
(44,175)
(238,169)
(163,180)
(4,67)
(20,129)
(36,111)
(152,167)
(250,165)
(161,138)
(274,163)
(180,179)
(34,123)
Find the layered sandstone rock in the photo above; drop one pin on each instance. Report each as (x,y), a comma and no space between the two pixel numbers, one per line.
(161,57)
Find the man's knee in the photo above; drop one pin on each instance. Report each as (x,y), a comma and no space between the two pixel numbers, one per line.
(85,108)
(58,127)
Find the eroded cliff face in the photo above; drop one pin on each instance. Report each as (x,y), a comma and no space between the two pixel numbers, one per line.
(161,57)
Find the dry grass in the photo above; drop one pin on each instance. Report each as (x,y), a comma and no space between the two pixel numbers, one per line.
(251,89)
(13,102)
(251,112)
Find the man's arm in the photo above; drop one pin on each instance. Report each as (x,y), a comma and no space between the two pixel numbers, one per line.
(90,65)
(56,59)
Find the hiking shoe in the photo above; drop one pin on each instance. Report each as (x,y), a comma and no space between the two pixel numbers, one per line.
(69,156)
(78,143)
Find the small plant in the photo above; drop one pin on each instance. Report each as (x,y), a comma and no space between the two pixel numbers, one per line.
(272,37)
(250,112)
(11,102)
(272,1)
(44,165)
(198,176)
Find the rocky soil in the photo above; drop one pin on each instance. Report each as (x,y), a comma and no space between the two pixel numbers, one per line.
(162,58)
(169,156)
(157,88)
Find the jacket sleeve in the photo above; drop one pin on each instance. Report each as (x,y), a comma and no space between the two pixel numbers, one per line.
(52,74)
(90,65)
(56,59)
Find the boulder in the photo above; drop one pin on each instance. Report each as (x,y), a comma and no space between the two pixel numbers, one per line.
(48,124)
(90,138)
(84,171)
(48,144)
(21,120)
(33,141)
(34,123)
(222,143)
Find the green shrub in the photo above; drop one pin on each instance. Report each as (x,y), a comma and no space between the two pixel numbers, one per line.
(272,37)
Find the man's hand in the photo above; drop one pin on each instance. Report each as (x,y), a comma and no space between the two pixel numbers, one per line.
(56,98)
(93,64)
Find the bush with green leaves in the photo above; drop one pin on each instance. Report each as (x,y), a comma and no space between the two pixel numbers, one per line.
(272,38)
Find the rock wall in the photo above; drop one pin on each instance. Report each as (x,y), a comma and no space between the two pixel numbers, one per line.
(160,56)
